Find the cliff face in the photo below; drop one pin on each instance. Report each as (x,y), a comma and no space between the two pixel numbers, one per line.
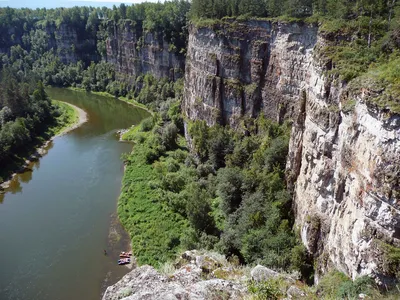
(344,156)
(245,68)
(70,44)
(346,163)
(134,52)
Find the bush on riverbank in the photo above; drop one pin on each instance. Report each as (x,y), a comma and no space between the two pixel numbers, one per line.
(229,195)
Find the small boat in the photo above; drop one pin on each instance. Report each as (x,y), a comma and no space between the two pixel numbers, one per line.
(124,261)
(125,254)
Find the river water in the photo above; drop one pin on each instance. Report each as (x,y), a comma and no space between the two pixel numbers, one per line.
(55,221)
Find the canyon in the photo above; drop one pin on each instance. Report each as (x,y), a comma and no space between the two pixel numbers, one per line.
(343,167)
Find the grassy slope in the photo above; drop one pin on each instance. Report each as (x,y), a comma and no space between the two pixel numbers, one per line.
(155,230)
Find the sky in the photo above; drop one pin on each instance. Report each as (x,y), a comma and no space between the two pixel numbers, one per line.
(65,3)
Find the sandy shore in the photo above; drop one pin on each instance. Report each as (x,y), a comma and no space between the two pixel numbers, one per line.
(42,150)
(82,119)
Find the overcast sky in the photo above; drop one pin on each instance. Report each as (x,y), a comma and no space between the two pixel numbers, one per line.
(65,3)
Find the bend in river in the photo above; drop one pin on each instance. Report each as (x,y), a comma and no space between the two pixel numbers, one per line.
(54,221)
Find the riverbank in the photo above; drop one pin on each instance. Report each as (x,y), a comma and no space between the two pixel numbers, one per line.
(71,118)
(108,95)
(80,118)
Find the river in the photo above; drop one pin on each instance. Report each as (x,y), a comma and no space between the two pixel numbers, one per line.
(55,221)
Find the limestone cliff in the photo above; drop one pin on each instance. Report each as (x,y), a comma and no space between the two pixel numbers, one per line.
(344,156)
(242,69)
(346,163)
(70,43)
(135,52)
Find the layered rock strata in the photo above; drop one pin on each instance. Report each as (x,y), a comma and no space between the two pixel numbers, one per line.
(135,52)
(344,156)
(241,69)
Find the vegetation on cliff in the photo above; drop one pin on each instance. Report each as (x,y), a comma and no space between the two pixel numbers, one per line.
(229,194)
(361,36)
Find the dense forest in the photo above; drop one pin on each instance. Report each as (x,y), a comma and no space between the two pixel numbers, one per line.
(228,194)
(23,109)
(342,9)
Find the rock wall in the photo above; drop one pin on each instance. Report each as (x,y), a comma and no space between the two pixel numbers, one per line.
(240,69)
(70,44)
(134,52)
(344,156)
(346,164)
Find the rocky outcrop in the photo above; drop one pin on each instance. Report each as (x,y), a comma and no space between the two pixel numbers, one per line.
(241,69)
(200,275)
(69,43)
(135,52)
(196,277)
(344,156)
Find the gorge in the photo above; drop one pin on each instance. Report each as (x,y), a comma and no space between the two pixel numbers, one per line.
(342,169)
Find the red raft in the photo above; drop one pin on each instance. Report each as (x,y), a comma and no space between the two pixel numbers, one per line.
(125,254)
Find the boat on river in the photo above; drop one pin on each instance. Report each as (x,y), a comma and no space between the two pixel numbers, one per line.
(124,261)
(125,254)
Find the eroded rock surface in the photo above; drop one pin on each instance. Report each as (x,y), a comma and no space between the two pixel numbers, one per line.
(243,69)
(134,53)
(344,155)
(192,279)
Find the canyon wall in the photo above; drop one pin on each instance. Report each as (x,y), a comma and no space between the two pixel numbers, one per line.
(241,69)
(126,45)
(344,156)
(134,52)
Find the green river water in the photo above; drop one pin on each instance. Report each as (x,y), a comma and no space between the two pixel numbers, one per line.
(56,221)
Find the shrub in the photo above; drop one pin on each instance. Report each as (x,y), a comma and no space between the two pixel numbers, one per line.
(147,124)
(267,290)
(169,136)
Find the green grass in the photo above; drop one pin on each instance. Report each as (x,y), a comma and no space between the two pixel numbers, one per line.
(67,118)
(155,230)
(105,94)
(383,82)
(207,23)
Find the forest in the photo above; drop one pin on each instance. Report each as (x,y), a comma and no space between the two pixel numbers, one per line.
(25,114)
(228,194)
(341,9)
